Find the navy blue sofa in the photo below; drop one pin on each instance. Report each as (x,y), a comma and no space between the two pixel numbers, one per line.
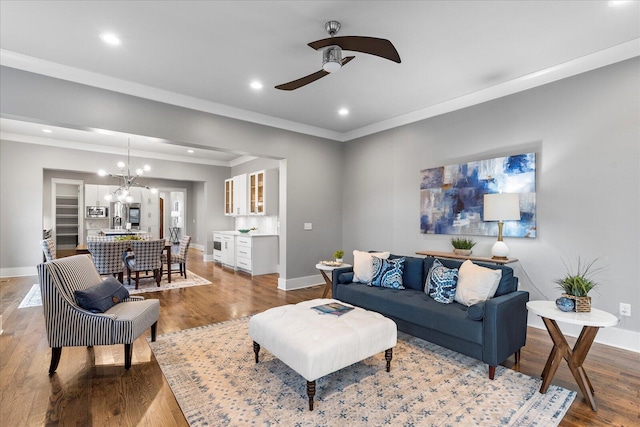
(490,331)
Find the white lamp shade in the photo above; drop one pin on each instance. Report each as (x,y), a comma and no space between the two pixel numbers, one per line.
(501,207)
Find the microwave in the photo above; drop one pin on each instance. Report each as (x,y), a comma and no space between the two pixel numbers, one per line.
(97,212)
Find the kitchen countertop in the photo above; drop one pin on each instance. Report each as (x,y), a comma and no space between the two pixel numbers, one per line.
(249,234)
(111,231)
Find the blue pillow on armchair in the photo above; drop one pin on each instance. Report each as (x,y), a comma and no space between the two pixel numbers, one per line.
(103,296)
(387,273)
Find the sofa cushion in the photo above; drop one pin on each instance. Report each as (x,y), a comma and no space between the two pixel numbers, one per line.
(103,296)
(413,276)
(442,283)
(363,265)
(387,273)
(415,307)
(508,283)
(476,283)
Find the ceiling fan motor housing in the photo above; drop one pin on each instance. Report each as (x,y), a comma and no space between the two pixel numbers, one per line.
(332,59)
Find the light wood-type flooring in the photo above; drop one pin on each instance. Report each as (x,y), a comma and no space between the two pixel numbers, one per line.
(91,387)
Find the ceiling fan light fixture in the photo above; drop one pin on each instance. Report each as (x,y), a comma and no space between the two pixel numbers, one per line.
(332,59)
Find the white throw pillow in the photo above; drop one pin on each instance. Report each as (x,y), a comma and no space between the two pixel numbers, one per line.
(363,265)
(476,283)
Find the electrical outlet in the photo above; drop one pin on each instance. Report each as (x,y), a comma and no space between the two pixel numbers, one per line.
(625,309)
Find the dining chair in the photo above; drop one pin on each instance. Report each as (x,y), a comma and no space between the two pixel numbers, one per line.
(107,257)
(70,325)
(145,255)
(49,249)
(179,258)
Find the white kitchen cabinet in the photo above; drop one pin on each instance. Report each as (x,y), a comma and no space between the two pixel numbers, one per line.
(235,195)
(228,196)
(94,195)
(228,251)
(257,254)
(263,192)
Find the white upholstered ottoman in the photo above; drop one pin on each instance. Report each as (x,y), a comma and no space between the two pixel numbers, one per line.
(315,344)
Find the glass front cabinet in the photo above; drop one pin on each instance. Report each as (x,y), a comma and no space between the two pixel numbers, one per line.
(228,197)
(263,192)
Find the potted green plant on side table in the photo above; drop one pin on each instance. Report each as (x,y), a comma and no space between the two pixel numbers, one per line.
(337,255)
(576,285)
(462,245)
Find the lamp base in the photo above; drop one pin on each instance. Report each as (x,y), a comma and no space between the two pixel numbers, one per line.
(500,250)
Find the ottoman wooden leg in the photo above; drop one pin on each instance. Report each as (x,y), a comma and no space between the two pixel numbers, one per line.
(311,391)
(388,355)
(256,349)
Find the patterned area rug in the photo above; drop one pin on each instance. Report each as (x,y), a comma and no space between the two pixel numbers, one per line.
(33,298)
(213,374)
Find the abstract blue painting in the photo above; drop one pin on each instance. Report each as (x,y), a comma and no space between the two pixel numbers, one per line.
(451,197)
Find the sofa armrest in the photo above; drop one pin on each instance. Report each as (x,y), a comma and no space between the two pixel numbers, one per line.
(504,326)
(335,277)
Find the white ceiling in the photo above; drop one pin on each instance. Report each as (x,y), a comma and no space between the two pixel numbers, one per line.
(204,54)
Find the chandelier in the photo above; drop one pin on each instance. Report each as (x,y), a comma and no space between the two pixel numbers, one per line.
(126,180)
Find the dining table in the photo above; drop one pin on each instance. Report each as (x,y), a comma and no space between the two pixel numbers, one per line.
(82,249)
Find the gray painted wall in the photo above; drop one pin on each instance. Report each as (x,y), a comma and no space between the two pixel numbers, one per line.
(586,133)
(314,172)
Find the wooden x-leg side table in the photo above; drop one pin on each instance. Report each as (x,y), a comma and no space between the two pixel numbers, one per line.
(591,322)
(323,269)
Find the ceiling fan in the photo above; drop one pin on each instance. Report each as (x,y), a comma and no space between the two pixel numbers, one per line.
(332,54)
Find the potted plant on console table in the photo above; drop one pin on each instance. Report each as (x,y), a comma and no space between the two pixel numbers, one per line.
(576,287)
(462,245)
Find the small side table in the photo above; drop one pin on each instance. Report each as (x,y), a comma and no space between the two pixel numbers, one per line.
(328,283)
(590,323)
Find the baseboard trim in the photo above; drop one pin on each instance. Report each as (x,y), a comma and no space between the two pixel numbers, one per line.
(18,272)
(300,282)
(615,337)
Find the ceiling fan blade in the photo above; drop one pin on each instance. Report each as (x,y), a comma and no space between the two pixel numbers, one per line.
(371,45)
(303,81)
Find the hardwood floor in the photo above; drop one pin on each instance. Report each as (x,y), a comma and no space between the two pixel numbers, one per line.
(91,386)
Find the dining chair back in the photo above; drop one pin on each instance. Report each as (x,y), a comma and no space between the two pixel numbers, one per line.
(179,258)
(49,249)
(145,255)
(107,257)
(68,324)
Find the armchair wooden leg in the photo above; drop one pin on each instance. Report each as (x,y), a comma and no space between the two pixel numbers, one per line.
(56,352)
(128,353)
(517,355)
(492,372)
(154,327)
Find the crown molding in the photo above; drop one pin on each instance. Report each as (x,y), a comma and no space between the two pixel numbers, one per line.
(557,72)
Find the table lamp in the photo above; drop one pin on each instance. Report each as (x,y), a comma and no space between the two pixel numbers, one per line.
(501,207)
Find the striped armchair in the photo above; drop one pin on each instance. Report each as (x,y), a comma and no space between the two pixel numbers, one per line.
(107,257)
(145,257)
(179,258)
(69,325)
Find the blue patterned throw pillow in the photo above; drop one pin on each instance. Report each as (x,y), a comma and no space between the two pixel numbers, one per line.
(387,273)
(441,282)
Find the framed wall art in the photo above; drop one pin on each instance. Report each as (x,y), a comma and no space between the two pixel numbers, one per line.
(451,197)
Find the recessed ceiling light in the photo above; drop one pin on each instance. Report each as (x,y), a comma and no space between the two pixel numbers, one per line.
(111,39)
(615,3)
(343,111)
(47,131)
(256,85)
(190,151)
